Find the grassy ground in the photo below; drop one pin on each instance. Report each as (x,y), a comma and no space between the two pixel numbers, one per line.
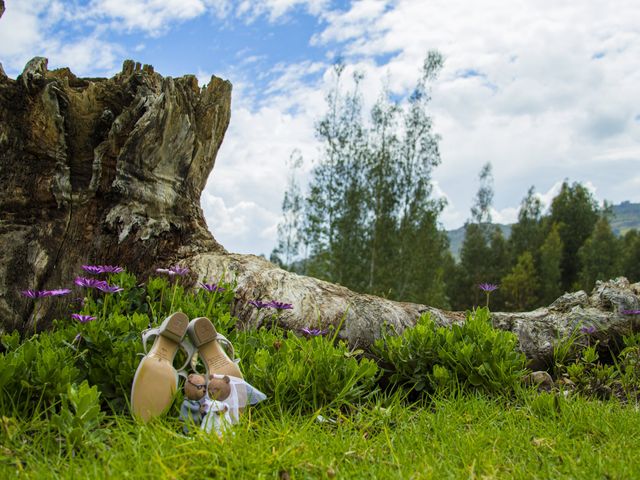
(466,437)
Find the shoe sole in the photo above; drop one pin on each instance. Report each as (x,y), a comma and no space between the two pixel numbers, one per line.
(203,335)
(156,380)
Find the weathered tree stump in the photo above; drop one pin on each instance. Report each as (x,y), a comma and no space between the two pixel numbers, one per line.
(110,171)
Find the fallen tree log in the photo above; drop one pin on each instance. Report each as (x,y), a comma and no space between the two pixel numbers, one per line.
(110,171)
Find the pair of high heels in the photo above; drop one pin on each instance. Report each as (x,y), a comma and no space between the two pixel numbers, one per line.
(156,380)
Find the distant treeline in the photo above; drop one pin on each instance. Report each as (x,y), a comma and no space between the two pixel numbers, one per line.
(369,221)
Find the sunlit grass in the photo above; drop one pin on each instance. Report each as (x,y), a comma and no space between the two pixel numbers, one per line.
(464,437)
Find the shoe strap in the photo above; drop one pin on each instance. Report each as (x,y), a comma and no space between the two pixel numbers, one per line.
(185,345)
(222,340)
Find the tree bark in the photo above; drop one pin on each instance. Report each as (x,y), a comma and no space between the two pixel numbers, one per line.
(110,171)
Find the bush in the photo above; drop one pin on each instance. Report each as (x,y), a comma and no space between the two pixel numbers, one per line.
(473,355)
(305,374)
(37,373)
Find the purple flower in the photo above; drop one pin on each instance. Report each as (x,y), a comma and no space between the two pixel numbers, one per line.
(588,330)
(45,293)
(487,287)
(77,338)
(172,271)
(57,293)
(280,305)
(82,318)
(97,269)
(109,288)
(32,293)
(313,332)
(89,282)
(630,312)
(212,287)
(260,304)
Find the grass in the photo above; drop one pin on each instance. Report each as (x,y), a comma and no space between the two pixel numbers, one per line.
(472,436)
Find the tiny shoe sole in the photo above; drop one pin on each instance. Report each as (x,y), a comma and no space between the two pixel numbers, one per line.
(156,380)
(207,340)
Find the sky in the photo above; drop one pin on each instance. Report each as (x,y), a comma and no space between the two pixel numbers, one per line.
(545,90)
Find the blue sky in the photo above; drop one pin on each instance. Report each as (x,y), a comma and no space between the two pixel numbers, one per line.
(544,89)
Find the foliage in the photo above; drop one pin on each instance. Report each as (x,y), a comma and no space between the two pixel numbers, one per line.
(520,285)
(599,256)
(369,221)
(305,374)
(36,372)
(80,418)
(550,266)
(631,255)
(473,355)
(575,211)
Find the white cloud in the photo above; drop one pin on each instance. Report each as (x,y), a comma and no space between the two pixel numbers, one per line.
(152,16)
(543,90)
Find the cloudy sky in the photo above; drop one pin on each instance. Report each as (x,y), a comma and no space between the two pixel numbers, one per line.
(545,90)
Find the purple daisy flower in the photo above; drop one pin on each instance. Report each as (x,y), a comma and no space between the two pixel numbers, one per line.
(630,312)
(89,282)
(97,269)
(172,271)
(32,293)
(487,287)
(82,318)
(313,332)
(57,292)
(259,304)
(109,288)
(212,287)
(588,330)
(45,293)
(281,305)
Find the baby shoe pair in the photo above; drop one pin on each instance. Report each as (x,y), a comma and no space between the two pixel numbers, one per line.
(156,380)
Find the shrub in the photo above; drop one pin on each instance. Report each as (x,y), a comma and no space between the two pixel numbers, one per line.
(102,345)
(473,355)
(305,374)
(78,422)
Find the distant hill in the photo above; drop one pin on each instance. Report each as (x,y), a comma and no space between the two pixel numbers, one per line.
(625,217)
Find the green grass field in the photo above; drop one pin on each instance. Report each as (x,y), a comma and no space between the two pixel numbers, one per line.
(534,436)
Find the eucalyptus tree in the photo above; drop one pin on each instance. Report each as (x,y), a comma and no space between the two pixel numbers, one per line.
(371,222)
(290,228)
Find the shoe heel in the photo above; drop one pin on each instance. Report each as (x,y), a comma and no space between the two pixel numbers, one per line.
(174,326)
(201,331)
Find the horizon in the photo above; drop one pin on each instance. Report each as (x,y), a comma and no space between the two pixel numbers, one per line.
(544,92)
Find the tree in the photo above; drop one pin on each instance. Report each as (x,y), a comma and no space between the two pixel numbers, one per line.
(475,265)
(290,228)
(520,285)
(471,271)
(551,266)
(631,255)
(498,265)
(600,256)
(527,234)
(481,209)
(575,211)
(371,221)
(335,211)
